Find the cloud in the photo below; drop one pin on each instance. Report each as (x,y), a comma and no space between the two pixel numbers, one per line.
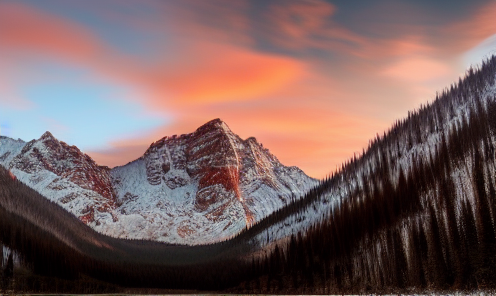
(468,33)
(299,19)
(221,21)
(417,69)
(26,29)
(302,25)
(321,112)
(205,72)
(218,73)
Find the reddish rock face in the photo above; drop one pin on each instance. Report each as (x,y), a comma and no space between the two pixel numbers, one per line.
(207,156)
(12,176)
(227,169)
(228,177)
(89,217)
(67,162)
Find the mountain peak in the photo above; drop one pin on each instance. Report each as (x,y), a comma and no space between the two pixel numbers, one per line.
(216,121)
(47,136)
(252,140)
(207,185)
(214,124)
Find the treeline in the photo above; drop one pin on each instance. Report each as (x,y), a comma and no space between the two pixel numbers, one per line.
(427,225)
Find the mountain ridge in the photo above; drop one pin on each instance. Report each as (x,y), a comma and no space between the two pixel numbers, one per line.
(224,182)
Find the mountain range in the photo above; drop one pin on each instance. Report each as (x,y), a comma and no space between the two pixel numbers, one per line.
(190,189)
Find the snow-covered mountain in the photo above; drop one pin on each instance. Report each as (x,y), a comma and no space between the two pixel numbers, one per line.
(196,188)
(62,173)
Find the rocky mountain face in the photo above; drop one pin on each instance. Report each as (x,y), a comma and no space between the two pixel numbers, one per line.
(196,188)
(62,173)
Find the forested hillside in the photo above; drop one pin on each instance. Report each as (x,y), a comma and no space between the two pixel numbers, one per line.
(415,211)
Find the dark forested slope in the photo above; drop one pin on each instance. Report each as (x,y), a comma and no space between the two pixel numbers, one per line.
(415,211)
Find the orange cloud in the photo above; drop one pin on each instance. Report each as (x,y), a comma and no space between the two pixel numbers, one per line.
(417,69)
(218,73)
(207,73)
(25,29)
(468,33)
(394,48)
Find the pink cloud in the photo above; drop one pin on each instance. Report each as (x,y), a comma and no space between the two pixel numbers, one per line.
(207,73)
(316,118)
(212,73)
(418,69)
(26,29)
(308,24)
(468,33)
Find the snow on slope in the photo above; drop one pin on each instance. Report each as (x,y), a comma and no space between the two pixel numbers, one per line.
(205,186)
(320,209)
(9,148)
(193,189)
(62,174)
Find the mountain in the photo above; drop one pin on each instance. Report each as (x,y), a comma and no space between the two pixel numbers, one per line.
(196,188)
(62,173)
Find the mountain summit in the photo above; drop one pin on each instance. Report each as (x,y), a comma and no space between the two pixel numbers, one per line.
(205,186)
(195,188)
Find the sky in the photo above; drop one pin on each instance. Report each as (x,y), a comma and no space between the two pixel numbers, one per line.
(313,80)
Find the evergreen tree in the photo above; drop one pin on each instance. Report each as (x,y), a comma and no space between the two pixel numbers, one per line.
(437,268)
(487,243)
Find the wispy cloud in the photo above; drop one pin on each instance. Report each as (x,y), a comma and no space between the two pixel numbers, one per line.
(465,34)
(310,88)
